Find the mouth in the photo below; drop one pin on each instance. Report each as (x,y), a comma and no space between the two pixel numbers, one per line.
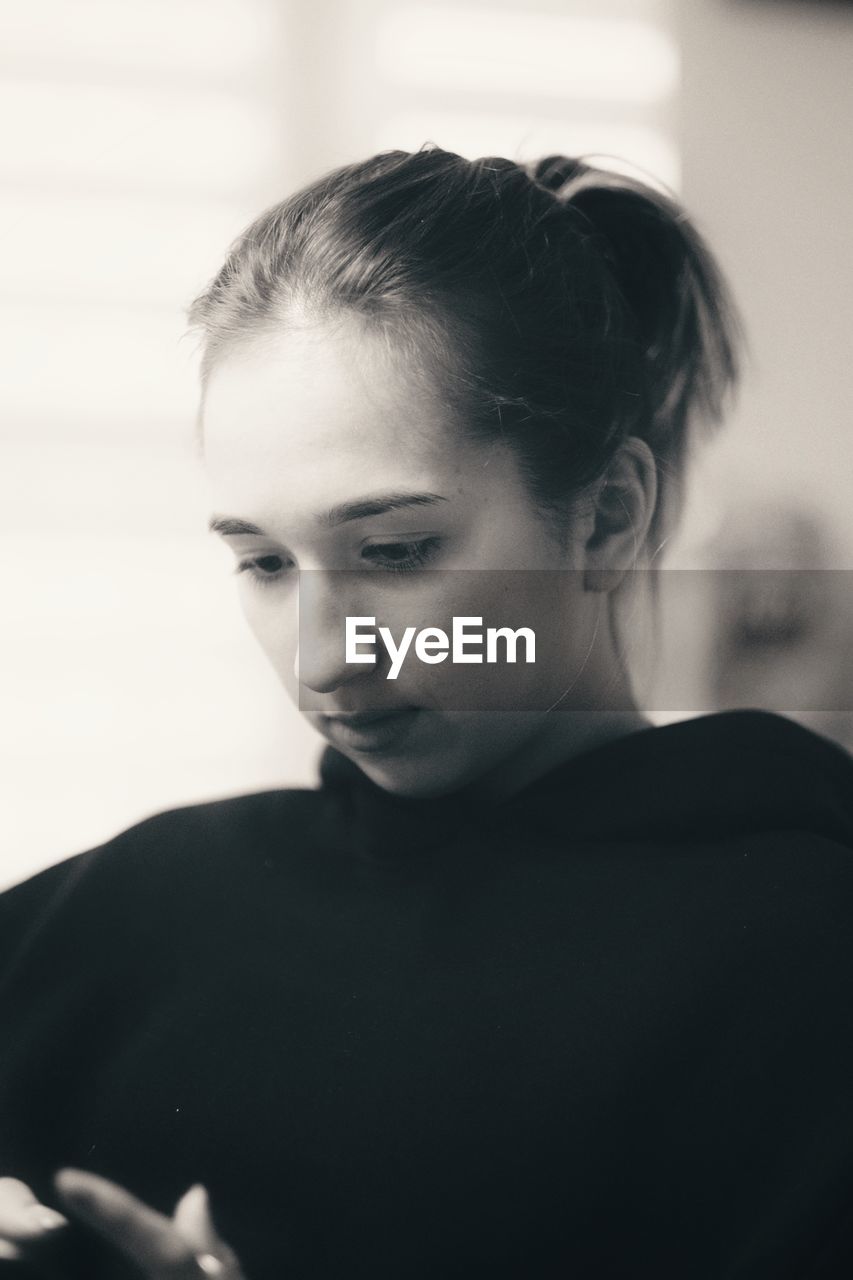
(370,730)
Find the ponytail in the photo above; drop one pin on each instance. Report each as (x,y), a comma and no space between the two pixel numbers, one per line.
(684,316)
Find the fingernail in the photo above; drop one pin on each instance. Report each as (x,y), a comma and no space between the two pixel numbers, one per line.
(210,1265)
(48,1219)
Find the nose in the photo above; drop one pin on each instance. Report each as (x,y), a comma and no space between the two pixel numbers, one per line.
(323,606)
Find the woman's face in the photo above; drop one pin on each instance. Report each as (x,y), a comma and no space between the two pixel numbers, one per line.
(343,490)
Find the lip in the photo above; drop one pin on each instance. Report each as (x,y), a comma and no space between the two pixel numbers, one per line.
(370,730)
(358,719)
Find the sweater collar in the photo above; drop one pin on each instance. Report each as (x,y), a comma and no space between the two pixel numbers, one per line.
(713,776)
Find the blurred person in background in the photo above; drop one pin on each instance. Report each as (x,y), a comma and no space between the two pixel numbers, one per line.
(785,630)
(528,987)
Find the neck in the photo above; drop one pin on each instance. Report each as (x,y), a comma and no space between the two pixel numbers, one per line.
(569,734)
(606,709)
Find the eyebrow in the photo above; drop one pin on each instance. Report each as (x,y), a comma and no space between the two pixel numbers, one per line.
(379,504)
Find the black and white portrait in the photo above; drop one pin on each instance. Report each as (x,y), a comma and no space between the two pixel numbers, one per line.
(427,837)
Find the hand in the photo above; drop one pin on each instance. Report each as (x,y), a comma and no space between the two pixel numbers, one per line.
(24,1223)
(183,1247)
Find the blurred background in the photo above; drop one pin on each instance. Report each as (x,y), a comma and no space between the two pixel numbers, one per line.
(139,136)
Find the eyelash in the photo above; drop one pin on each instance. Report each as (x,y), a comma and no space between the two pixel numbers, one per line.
(259,578)
(419,553)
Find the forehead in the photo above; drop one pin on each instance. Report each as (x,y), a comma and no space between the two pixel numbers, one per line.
(318,412)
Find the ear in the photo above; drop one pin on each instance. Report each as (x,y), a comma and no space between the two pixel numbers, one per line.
(623,507)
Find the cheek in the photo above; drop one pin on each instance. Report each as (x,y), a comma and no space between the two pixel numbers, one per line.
(548,603)
(272,620)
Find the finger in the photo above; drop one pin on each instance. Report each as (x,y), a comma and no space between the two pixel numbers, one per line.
(22,1217)
(9,1252)
(149,1238)
(194,1221)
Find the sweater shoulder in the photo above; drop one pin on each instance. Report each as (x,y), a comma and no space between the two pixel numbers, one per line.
(175,853)
(209,825)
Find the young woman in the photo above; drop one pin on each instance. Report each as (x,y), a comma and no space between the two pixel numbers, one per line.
(527,987)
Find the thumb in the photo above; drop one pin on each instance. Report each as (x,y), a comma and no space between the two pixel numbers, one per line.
(194,1223)
(192,1220)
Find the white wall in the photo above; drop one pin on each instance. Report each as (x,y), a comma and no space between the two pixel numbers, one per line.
(767,163)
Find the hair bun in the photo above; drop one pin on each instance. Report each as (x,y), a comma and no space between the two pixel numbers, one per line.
(554,172)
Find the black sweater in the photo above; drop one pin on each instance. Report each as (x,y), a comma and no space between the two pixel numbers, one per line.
(602,1029)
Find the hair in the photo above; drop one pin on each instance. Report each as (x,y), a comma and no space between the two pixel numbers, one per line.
(559,307)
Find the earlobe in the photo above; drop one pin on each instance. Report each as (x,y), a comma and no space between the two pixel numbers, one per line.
(624,506)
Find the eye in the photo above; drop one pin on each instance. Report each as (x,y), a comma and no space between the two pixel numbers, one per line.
(264,570)
(401,557)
